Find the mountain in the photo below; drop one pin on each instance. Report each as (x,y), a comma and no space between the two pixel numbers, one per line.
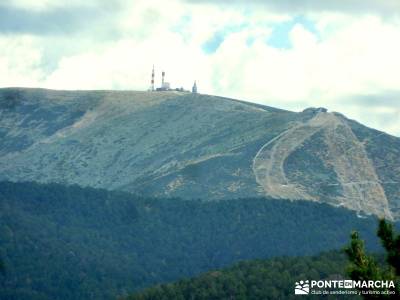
(257,280)
(177,144)
(67,242)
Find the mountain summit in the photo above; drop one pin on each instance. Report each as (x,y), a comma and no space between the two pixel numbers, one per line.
(196,146)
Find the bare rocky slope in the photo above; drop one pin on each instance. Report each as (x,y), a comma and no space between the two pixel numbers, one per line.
(196,146)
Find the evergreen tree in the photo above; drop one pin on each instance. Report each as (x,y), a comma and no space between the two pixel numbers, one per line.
(364,267)
(391,243)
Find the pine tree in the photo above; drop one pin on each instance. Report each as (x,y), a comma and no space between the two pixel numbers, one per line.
(391,243)
(364,267)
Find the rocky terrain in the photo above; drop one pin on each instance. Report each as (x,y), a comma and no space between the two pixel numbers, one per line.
(196,146)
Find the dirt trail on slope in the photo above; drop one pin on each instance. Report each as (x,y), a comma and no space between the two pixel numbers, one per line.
(356,174)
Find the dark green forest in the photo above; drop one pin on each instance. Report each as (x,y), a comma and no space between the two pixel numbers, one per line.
(258,279)
(275,278)
(69,242)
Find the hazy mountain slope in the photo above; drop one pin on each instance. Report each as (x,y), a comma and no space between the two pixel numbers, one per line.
(125,141)
(384,152)
(196,146)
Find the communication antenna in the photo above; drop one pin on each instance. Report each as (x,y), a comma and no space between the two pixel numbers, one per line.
(152,80)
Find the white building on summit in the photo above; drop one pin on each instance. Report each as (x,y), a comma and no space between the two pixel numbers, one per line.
(166,86)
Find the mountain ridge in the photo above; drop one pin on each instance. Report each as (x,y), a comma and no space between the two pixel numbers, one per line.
(196,146)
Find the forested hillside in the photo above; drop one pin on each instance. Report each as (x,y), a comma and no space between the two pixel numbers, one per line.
(256,280)
(69,242)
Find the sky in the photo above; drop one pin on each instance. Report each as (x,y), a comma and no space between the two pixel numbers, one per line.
(343,55)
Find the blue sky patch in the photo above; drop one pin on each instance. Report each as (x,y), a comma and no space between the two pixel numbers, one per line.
(279,37)
(182,27)
(212,44)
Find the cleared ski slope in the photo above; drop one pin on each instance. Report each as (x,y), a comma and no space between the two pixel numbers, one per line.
(356,174)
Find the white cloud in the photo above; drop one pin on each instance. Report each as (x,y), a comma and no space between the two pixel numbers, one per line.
(354,7)
(19,61)
(352,55)
(52,4)
(32,4)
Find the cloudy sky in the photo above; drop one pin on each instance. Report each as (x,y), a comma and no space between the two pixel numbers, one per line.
(343,55)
